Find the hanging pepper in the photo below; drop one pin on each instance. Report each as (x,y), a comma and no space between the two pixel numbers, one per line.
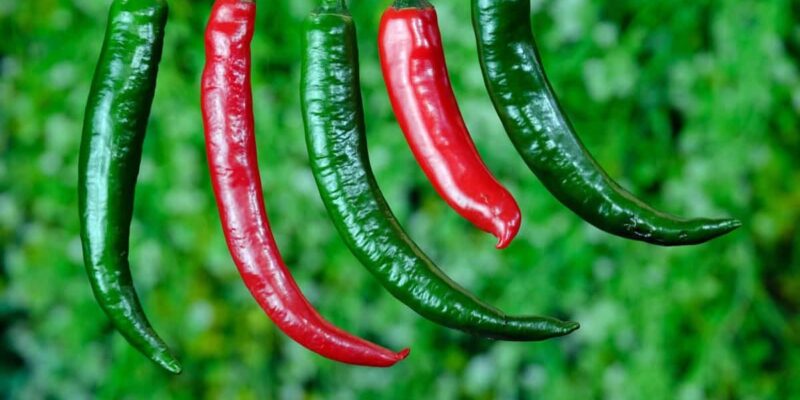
(111,150)
(334,122)
(416,77)
(231,149)
(544,137)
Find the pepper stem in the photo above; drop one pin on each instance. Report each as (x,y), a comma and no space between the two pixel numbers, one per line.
(333,6)
(398,4)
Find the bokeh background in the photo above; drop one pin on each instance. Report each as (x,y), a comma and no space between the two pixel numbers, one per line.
(693,105)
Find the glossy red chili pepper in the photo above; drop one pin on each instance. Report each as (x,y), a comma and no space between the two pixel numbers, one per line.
(416,77)
(231,149)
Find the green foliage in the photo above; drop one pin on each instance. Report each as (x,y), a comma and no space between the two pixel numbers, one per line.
(691,104)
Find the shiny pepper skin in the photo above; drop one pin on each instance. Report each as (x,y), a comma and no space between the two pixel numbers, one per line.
(231,150)
(111,149)
(417,80)
(335,135)
(541,132)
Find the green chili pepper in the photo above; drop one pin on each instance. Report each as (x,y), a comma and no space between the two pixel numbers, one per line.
(111,150)
(543,135)
(334,122)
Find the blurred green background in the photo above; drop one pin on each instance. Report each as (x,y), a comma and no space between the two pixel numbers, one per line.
(693,105)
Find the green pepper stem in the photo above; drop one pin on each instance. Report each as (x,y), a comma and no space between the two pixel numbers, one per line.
(398,4)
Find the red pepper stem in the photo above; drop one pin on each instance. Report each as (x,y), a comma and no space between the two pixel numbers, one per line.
(337,6)
(420,4)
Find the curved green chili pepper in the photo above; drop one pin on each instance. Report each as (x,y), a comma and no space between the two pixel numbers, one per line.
(334,122)
(111,149)
(542,134)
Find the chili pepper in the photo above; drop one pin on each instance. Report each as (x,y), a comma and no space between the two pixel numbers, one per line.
(416,77)
(334,123)
(544,137)
(231,149)
(111,150)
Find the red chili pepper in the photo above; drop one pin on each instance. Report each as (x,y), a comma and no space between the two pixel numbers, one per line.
(416,77)
(231,149)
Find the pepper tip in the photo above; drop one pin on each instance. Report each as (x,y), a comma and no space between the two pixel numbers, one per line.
(506,232)
(389,359)
(721,227)
(502,242)
(570,327)
(402,354)
(168,362)
(175,368)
